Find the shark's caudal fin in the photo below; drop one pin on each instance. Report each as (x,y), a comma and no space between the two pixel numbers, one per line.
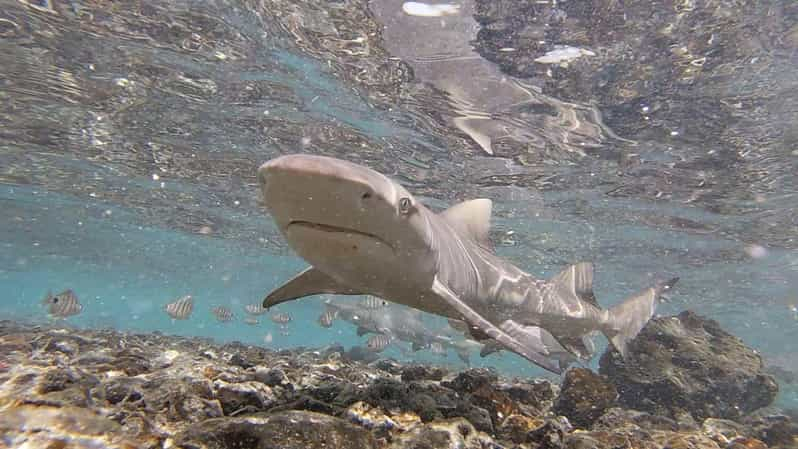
(628,318)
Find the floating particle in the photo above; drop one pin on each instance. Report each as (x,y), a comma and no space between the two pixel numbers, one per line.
(427,10)
(756,251)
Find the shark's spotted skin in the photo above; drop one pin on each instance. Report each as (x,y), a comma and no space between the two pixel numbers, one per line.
(362,233)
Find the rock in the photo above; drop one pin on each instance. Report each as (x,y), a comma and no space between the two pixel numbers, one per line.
(58,427)
(57,379)
(516,428)
(184,399)
(477,416)
(775,430)
(551,435)
(390,366)
(608,440)
(375,418)
(470,380)
(499,404)
(118,390)
(584,396)
(674,440)
(131,363)
(421,372)
(445,434)
(289,430)
(234,397)
(617,418)
(722,431)
(746,443)
(689,363)
(533,392)
(271,377)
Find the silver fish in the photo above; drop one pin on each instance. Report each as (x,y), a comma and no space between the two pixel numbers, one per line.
(437,348)
(251,320)
(281,318)
(254,309)
(180,309)
(326,319)
(63,304)
(373,303)
(223,314)
(377,343)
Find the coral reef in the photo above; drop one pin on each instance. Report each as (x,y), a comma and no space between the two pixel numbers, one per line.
(99,388)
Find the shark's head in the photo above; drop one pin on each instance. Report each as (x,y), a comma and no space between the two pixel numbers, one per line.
(349,221)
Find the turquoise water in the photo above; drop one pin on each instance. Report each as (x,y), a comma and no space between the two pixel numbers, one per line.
(133,185)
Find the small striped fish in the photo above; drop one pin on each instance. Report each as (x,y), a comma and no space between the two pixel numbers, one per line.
(180,309)
(373,303)
(255,309)
(326,319)
(251,320)
(437,348)
(223,314)
(63,304)
(282,318)
(377,343)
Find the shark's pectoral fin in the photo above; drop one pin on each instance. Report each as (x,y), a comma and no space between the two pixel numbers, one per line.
(458,325)
(361,331)
(576,346)
(477,320)
(416,347)
(468,330)
(309,282)
(490,347)
(576,280)
(529,336)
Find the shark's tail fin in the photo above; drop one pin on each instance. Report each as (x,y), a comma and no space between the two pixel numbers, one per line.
(628,318)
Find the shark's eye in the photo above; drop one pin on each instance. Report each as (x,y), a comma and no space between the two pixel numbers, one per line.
(366,195)
(405,205)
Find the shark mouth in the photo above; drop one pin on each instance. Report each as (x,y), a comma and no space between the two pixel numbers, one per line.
(339,230)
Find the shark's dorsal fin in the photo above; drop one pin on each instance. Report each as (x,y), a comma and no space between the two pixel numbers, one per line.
(577,279)
(472,219)
(309,282)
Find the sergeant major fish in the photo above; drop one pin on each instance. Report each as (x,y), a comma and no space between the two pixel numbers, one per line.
(62,305)
(223,314)
(180,309)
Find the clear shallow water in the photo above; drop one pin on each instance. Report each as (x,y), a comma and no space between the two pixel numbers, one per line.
(131,134)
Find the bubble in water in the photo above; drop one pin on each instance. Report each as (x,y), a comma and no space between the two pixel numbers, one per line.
(756,251)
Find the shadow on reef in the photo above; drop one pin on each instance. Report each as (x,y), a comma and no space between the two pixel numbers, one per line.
(693,385)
